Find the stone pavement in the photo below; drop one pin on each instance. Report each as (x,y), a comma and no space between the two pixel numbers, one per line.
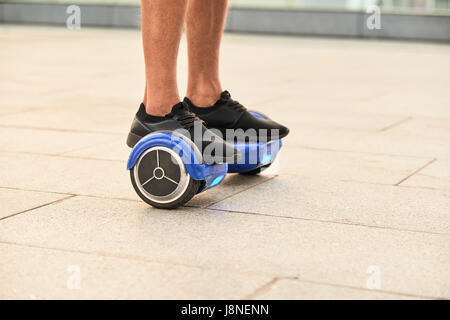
(357,205)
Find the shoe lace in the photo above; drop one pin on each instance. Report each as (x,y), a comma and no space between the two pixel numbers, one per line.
(186,118)
(226,99)
(237,106)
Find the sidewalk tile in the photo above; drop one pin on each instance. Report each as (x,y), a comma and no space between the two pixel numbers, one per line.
(410,262)
(116,150)
(346,202)
(436,175)
(325,212)
(233,184)
(36,273)
(69,175)
(47,141)
(286,289)
(114,121)
(419,137)
(15,201)
(327,164)
(335,119)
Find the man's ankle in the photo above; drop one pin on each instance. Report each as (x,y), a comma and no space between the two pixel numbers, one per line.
(160,109)
(203,101)
(204,95)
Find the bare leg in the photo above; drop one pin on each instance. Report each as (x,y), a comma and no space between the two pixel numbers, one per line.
(162,27)
(205,20)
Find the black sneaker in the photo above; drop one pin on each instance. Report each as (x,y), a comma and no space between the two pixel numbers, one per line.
(185,122)
(227,113)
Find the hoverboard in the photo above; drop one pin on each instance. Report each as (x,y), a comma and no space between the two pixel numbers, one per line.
(167,169)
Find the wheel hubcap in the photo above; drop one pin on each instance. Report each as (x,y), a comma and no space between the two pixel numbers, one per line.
(160,175)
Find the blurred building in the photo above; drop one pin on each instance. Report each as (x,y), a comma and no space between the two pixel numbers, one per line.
(400,19)
(403,5)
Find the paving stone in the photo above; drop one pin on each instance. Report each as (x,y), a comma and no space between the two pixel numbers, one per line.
(92,81)
(299,290)
(324,82)
(15,201)
(331,139)
(365,167)
(47,141)
(389,142)
(90,120)
(420,136)
(410,262)
(116,150)
(334,119)
(357,126)
(436,175)
(233,184)
(37,273)
(346,202)
(68,175)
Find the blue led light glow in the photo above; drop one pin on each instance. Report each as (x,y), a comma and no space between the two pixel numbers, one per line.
(267,158)
(216,181)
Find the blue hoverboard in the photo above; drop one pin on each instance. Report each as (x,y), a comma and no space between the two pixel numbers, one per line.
(167,168)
